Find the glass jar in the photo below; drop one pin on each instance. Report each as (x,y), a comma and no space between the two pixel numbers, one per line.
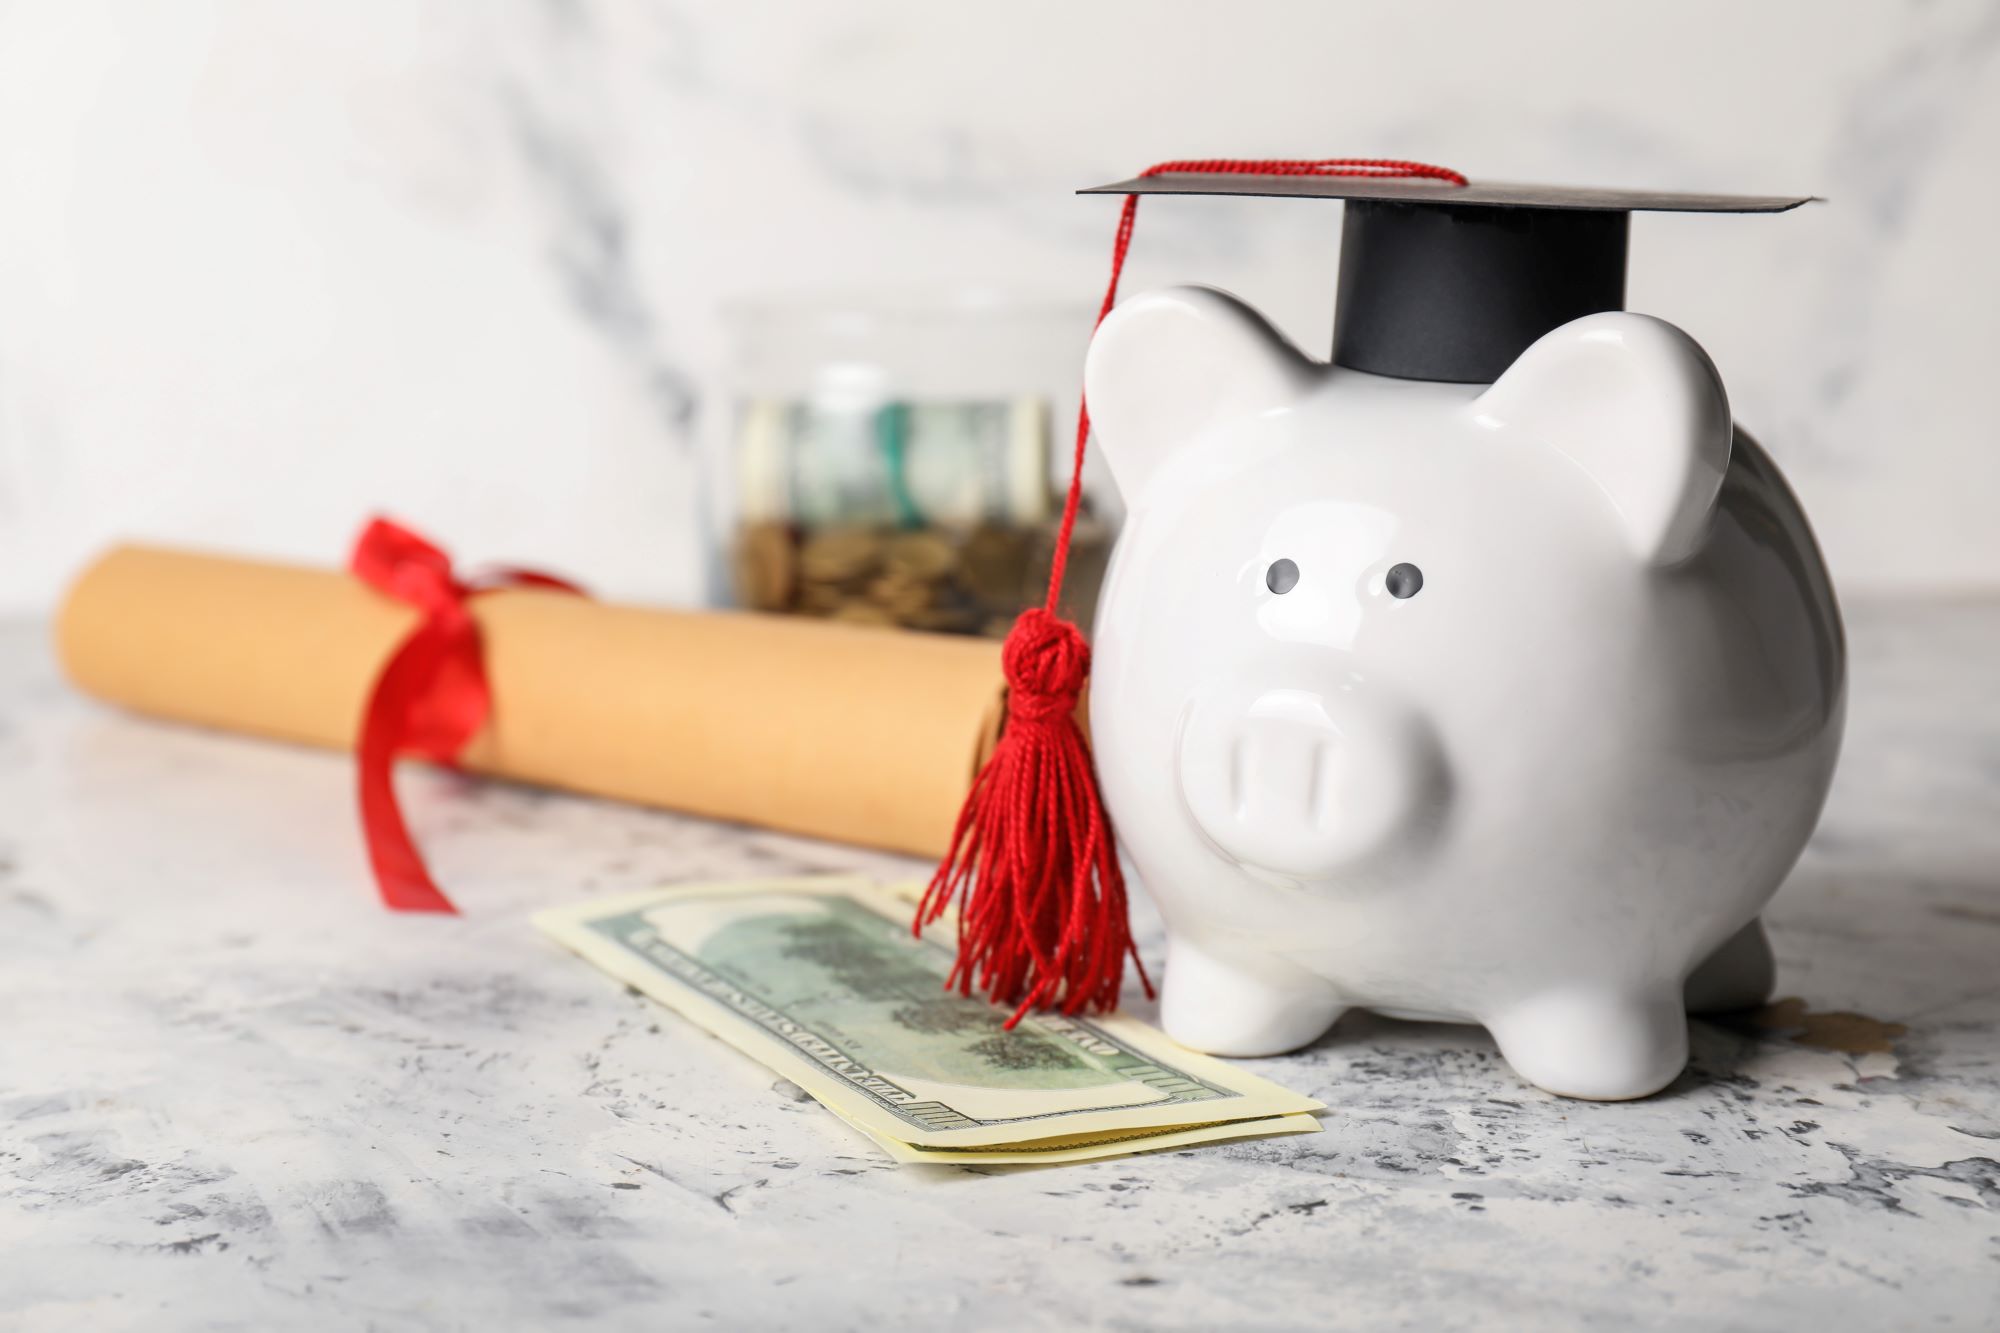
(900,460)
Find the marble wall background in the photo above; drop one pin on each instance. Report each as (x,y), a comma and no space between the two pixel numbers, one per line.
(266,268)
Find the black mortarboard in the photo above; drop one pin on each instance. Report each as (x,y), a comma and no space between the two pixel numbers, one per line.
(1452,282)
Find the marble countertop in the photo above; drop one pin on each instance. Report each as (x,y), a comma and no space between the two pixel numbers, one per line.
(236,1094)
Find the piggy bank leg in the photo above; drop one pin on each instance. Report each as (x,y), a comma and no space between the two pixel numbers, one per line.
(1597,1045)
(1240,1009)
(1739,975)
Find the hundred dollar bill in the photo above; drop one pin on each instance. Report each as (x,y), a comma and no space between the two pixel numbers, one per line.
(820,980)
(1089,1147)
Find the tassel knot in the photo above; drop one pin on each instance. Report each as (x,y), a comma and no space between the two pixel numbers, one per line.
(1046,662)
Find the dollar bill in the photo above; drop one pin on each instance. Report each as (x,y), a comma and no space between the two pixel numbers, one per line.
(855,459)
(1089,1147)
(821,980)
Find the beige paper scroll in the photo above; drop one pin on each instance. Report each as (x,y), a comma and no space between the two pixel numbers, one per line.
(857,734)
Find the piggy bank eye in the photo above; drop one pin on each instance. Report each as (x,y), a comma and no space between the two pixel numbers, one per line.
(1404,581)
(1282,576)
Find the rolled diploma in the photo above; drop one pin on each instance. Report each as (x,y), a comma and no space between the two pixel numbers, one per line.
(834,731)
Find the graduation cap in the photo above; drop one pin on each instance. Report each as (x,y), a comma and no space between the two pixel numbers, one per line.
(1442,280)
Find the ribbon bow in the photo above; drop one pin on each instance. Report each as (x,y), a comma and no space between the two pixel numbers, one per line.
(430,700)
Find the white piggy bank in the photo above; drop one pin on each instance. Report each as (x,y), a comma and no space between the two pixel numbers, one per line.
(1508,705)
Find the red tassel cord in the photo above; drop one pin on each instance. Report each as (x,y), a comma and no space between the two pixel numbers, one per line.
(1033,867)
(430,700)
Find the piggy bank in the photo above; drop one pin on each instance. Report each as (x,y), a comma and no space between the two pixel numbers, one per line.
(1506,704)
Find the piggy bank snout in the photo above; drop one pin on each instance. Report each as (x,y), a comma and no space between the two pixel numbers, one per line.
(1303,782)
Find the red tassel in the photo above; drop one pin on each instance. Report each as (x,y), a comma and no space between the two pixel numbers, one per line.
(1033,865)
(1049,924)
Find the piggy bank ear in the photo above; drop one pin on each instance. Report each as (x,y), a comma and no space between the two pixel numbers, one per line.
(1166,366)
(1635,403)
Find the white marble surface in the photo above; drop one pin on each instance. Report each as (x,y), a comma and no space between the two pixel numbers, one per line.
(265,268)
(235,1094)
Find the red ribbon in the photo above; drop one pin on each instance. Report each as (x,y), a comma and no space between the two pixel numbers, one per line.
(430,700)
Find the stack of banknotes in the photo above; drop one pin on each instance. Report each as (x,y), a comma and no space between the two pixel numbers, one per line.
(821,980)
(864,462)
